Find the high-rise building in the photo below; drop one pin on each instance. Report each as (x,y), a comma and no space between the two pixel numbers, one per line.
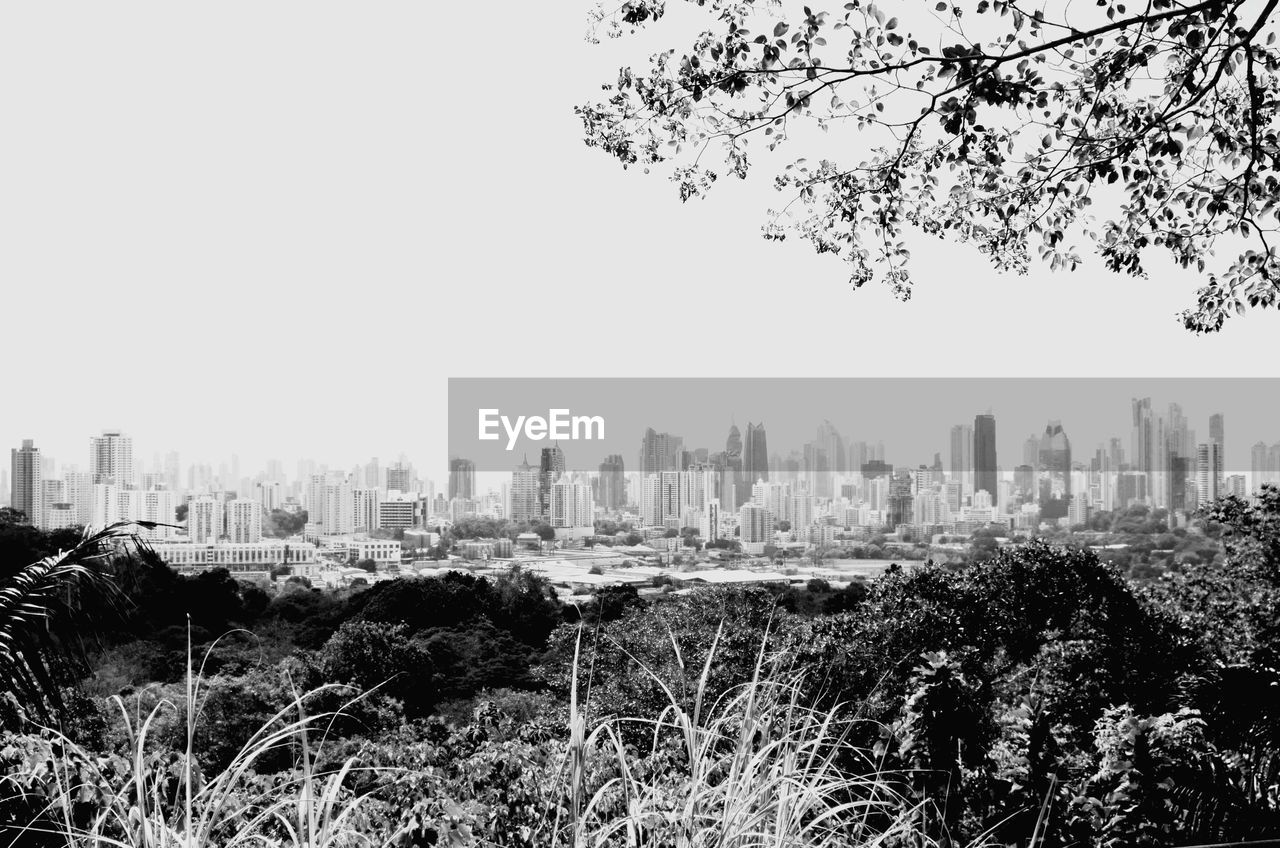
(400,478)
(900,498)
(27,482)
(54,490)
(984,456)
(1054,472)
(1259,471)
(816,464)
(524,493)
(269,493)
(755,453)
(462,478)
(961,467)
(206,519)
(372,474)
(1209,482)
(1217,429)
(660,452)
(79,489)
(571,504)
(111,458)
(735,486)
(365,508)
(832,444)
(755,527)
(339,517)
(613,483)
(709,521)
(244,520)
(173,471)
(550,469)
(1142,455)
(1237,486)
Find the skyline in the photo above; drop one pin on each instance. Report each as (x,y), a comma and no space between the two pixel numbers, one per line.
(912,418)
(1008,444)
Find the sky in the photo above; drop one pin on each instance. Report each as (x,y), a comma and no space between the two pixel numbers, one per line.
(277,229)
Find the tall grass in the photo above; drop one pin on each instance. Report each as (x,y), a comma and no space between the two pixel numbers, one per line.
(754,767)
(144,808)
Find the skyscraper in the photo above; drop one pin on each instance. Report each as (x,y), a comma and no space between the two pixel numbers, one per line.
(400,478)
(367,503)
(659,452)
(1054,472)
(832,443)
(244,520)
(1259,472)
(206,519)
(339,507)
(462,478)
(1142,440)
(735,488)
(1217,429)
(613,482)
(570,504)
(26,480)
(111,458)
(1209,472)
(755,453)
(524,490)
(962,457)
(984,456)
(550,470)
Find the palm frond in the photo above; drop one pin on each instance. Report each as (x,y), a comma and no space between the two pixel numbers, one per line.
(45,608)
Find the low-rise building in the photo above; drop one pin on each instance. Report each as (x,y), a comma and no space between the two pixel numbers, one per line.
(236,557)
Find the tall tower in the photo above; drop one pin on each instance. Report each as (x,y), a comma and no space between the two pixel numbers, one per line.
(524,493)
(613,482)
(1142,443)
(735,488)
(550,470)
(462,478)
(1209,472)
(111,458)
(660,452)
(962,456)
(1054,471)
(26,480)
(984,456)
(755,453)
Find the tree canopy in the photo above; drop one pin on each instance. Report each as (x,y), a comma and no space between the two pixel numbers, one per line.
(1025,130)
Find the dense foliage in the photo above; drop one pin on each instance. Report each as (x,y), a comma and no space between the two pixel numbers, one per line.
(1037,695)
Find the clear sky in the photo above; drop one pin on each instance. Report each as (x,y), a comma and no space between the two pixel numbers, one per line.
(276,229)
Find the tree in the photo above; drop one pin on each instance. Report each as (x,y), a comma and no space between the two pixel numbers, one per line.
(989,121)
(369,654)
(11,516)
(367,564)
(281,524)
